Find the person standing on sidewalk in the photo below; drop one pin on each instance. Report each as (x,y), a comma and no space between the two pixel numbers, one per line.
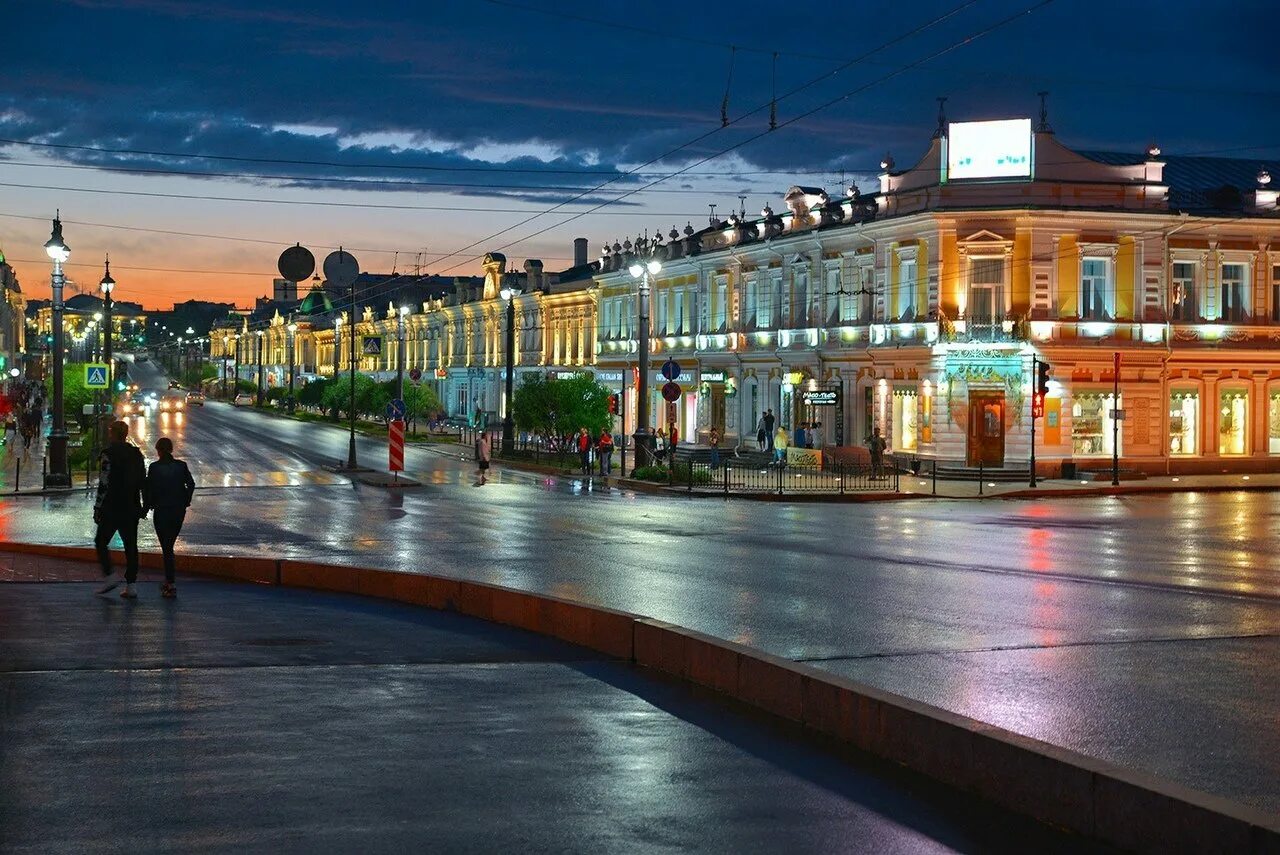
(604,451)
(584,450)
(779,445)
(168,495)
(713,440)
(769,422)
(122,476)
(876,446)
(674,436)
(762,433)
(484,452)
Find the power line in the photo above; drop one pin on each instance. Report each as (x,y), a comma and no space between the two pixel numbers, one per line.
(901,70)
(313,202)
(718,128)
(358,182)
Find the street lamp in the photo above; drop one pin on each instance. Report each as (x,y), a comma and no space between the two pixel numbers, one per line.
(260,334)
(400,316)
(509,293)
(293,329)
(337,344)
(641,271)
(58,252)
(226,346)
(107,285)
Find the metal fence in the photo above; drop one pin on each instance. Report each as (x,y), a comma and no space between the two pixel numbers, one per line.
(736,476)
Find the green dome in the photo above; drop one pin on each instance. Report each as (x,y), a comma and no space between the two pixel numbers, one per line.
(316,302)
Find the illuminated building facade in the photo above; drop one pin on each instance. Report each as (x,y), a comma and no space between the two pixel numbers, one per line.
(918,310)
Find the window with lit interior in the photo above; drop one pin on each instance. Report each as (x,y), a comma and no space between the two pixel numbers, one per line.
(1233,421)
(1182,293)
(905,409)
(1184,419)
(1092,424)
(1234,293)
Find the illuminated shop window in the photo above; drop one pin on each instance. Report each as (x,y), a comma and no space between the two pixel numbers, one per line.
(1273,423)
(1233,421)
(905,432)
(926,415)
(1092,426)
(1184,417)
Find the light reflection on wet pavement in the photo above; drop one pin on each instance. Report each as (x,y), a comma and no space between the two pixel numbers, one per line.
(1143,630)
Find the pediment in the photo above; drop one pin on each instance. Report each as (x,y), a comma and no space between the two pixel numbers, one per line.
(985,236)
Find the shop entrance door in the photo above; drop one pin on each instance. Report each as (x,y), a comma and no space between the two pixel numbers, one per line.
(986,429)
(718,407)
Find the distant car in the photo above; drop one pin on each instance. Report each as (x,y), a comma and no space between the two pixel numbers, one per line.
(141,357)
(174,384)
(244,399)
(172,404)
(195,399)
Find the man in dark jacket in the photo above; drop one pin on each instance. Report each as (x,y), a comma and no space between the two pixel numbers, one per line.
(168,495)
(121,475)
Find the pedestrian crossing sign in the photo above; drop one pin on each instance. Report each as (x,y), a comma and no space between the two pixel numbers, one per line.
(95,376)
(371,345)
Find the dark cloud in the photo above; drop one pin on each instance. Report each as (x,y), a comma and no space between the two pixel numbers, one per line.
(516,89)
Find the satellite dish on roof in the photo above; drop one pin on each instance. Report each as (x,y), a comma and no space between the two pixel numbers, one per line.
(341,268)
(296,263)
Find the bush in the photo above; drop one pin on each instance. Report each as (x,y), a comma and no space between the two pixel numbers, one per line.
(650,473)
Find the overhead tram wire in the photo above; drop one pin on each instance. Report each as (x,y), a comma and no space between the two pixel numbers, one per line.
(737,173)
(824,76)
(373,183)
(876,82)
(312,202)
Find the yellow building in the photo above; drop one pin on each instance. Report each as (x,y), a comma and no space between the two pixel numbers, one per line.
(918,309)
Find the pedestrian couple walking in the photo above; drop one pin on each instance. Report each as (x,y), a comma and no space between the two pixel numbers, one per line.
(127,491)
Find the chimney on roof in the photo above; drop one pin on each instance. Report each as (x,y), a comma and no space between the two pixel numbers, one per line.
(579,252)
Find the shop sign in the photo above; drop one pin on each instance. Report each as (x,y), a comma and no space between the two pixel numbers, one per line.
(565,375)
(685,378)
(609,376)
(820,397)
(713,376)
(804,457)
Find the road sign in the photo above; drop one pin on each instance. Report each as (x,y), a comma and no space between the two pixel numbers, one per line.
(95,376)
(395,410)
(341,268)
(670,369)
(296,263)
(415,374)
(395,435)
(371,345)
(671,392)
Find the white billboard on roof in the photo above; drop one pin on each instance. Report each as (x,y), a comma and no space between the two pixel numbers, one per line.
(999,149)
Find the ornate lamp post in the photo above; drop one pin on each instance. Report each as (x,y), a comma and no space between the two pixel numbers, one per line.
(400,316)
(58,475)
(259,334)
(292,329)
(509,293)
(226,346)
(641,271)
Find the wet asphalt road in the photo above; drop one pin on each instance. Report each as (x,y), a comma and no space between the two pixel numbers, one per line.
(1143,630)
(245,719)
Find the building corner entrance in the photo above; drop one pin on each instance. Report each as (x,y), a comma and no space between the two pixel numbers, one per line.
(986,429)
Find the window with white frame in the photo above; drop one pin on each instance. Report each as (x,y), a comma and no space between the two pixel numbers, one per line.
(906,290)
(1094,290)
(800,299)
(1234,306)
(1183,294)
(719,302)
(986,290)
(833,285)
(773,287)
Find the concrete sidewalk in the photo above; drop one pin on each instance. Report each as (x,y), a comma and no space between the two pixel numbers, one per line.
(245,718)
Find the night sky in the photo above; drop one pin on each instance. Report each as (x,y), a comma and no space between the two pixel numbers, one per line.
(516,110)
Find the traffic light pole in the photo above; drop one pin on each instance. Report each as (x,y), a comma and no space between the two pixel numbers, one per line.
(1035,392)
